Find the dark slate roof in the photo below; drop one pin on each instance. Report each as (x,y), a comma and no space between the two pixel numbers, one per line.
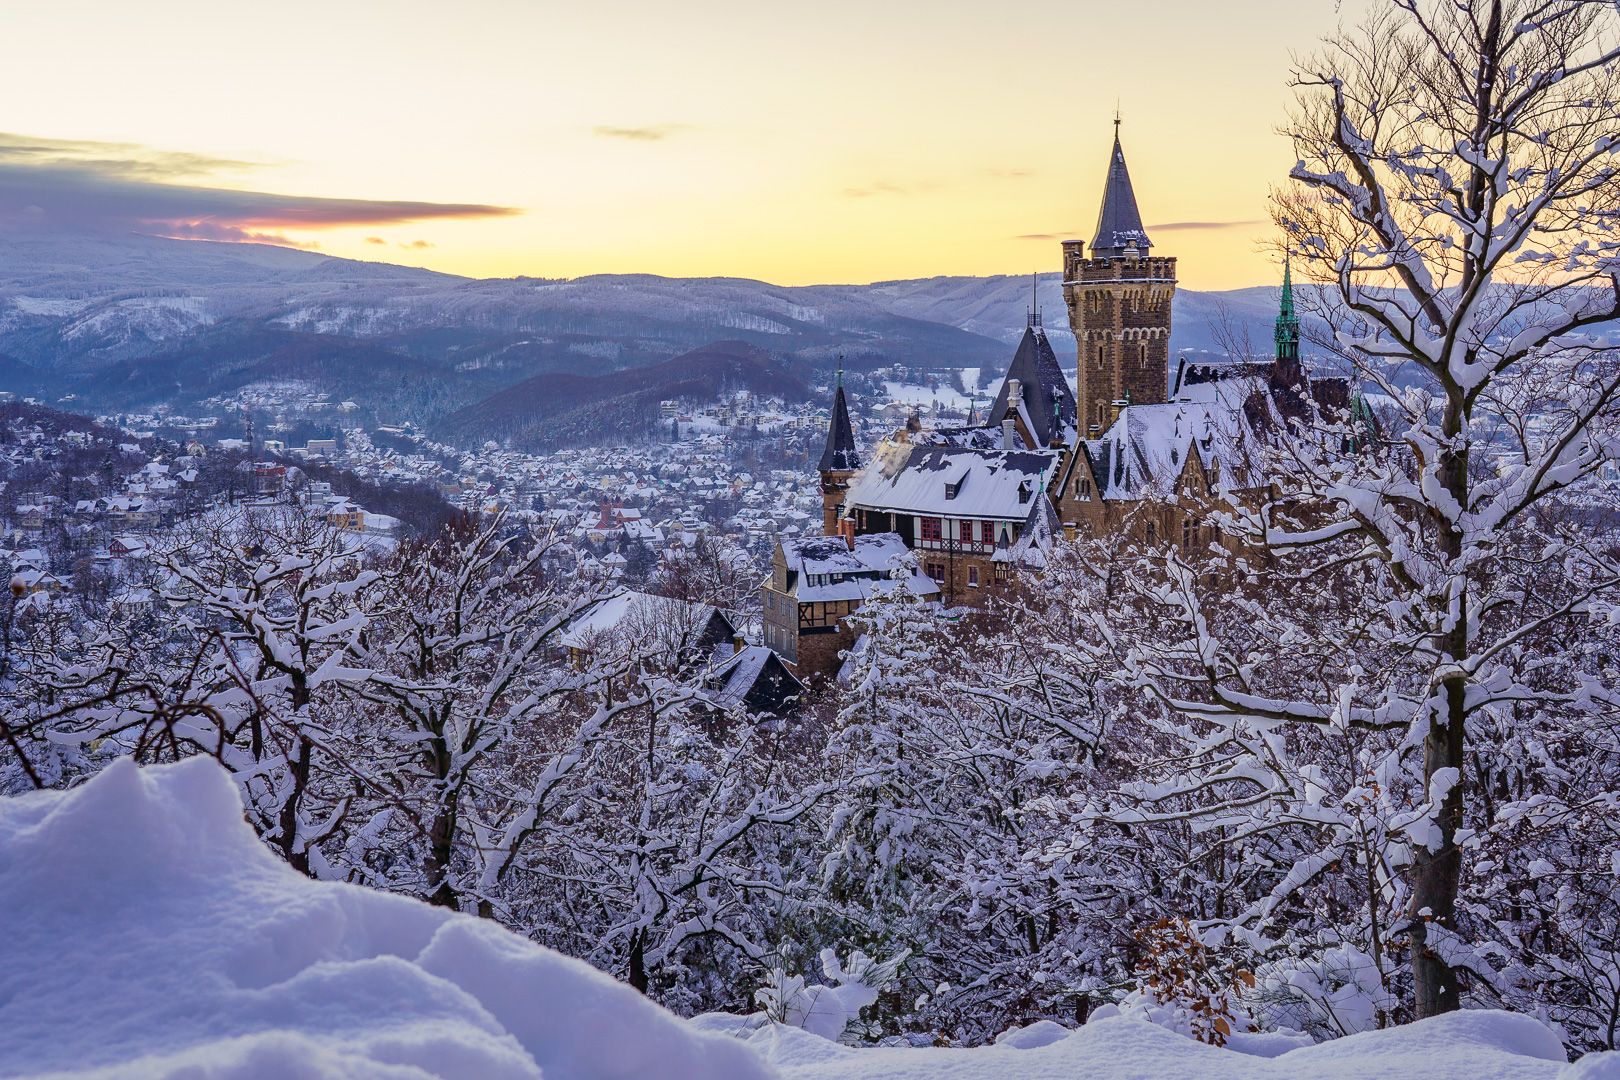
(755,679)
(1048,398)
(1119,222)
(1042,529)
(841,454)
(974,438)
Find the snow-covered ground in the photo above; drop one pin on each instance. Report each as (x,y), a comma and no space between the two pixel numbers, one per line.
(946,394)
(147,933)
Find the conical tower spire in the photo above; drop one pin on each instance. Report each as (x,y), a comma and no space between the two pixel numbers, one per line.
(839,461)
(841,454)
(1119,223)
(1286,332)
(1286,371)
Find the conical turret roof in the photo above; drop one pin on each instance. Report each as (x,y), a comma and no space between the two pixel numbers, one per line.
(841,454)
(1119,223)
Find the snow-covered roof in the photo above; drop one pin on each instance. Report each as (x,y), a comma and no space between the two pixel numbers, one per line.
(607,614)
(1042,529)
(1148,445)
(978,438)
(878,553)
(829,569)
(737,676)
(951,481)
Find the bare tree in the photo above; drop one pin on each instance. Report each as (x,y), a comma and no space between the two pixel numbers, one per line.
(1456,192)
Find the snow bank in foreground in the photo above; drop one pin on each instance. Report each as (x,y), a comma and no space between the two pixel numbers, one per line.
(145,932)
(1463,1046)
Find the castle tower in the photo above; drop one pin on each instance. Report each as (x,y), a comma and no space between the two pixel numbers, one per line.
(1119,307)
(839,461)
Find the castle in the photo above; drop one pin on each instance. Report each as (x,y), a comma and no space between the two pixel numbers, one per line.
(1125,451)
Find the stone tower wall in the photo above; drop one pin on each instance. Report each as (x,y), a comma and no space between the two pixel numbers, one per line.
(834,488)
(1119,310)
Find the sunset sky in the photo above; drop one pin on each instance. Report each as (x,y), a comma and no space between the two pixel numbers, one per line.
(822,142)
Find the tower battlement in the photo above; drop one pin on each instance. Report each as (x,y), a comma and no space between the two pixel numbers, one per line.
(1125,270)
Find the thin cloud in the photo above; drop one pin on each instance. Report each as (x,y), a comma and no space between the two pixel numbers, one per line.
(650,133)
(883,187)
(1170,226)
(376,240)
(206,230)
(1180,226)
(418,245)
(81,186)
(116,159)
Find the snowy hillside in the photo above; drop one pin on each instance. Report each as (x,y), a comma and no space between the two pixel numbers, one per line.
(150,934)
(69,304)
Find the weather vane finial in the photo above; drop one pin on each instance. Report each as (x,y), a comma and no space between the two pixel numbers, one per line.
(840,370)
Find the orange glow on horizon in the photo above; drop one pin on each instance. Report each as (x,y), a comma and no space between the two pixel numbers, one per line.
(847,143)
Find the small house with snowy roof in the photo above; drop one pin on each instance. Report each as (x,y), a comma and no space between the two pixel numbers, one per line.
(818,580)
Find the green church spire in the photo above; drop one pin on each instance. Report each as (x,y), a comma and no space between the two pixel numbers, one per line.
(1286,333)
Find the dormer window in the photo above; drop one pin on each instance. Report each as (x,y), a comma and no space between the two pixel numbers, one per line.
(1025,491)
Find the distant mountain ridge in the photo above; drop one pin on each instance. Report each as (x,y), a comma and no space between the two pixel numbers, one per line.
(130,321)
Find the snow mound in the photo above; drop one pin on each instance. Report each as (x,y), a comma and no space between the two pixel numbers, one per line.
(1040,1033)
(149,934)
(1604,1066)
(1464,1046)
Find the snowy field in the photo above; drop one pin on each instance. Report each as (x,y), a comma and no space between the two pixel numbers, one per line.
(148,933)
(947,395)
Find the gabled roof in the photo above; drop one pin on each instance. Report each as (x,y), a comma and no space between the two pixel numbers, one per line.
(1042,529)
(634,609)
(873,555)
(1047,396)
(754,678)
(952,481)
(857,573)
(1119,223)
(841,454)
(1148,445)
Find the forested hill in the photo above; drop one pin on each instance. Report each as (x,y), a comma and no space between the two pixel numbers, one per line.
(559,409)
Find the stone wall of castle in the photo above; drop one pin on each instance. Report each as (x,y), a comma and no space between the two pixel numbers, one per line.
(1119,310)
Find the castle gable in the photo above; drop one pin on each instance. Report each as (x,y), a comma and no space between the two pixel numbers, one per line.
(1049,410)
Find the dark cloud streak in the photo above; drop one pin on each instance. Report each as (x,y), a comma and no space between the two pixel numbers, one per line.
(80,186)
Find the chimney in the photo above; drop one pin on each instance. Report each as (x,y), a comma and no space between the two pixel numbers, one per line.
(846,528)
(1015,394)
(1007,427)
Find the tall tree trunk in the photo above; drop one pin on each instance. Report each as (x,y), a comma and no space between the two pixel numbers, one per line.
(442,833)
(1438,877)
(296,858)
(638,960)
(440,836)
